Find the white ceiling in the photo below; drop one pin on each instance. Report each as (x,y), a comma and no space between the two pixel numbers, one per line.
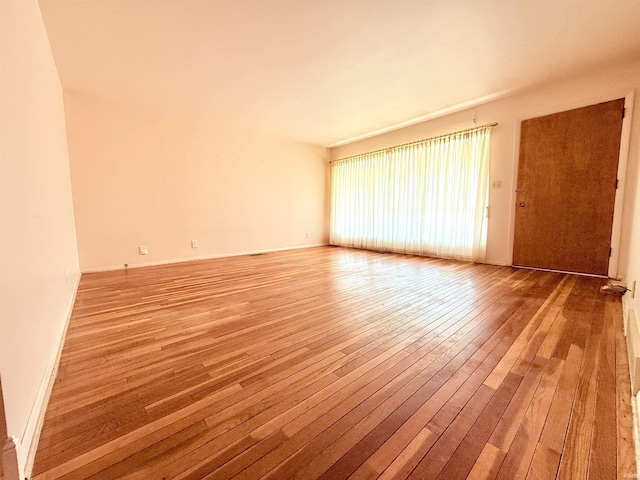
(325,71)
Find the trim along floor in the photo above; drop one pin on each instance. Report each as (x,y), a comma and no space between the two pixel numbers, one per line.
(336,363)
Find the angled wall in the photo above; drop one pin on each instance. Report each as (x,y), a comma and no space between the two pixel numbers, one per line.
(38,252)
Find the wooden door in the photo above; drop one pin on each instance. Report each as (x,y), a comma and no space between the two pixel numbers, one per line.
(567,179)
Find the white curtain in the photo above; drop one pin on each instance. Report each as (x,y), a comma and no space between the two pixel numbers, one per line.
(426,198)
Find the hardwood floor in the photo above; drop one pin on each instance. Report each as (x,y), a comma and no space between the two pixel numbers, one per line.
(335,363)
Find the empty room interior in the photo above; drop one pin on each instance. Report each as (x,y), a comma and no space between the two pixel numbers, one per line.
(319,239)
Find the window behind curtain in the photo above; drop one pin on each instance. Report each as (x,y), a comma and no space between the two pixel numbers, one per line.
(426,198)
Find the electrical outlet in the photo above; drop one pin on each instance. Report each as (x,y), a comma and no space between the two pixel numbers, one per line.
(194,243)
(142,250)
(308,236)
(496,184)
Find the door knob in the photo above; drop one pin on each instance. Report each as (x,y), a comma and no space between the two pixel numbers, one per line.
(521,204)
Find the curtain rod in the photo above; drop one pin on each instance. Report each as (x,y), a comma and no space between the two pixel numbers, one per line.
(494,124)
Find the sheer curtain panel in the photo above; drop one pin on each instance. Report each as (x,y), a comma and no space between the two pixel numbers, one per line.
(427,198)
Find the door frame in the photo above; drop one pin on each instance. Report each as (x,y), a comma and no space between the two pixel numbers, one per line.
(625,142)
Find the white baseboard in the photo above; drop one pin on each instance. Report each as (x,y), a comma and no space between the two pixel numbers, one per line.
(499,263)
(27,446)
(203,257)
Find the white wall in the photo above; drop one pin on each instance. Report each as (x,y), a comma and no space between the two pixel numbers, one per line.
(598,86)
(144,178)
(38,254)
